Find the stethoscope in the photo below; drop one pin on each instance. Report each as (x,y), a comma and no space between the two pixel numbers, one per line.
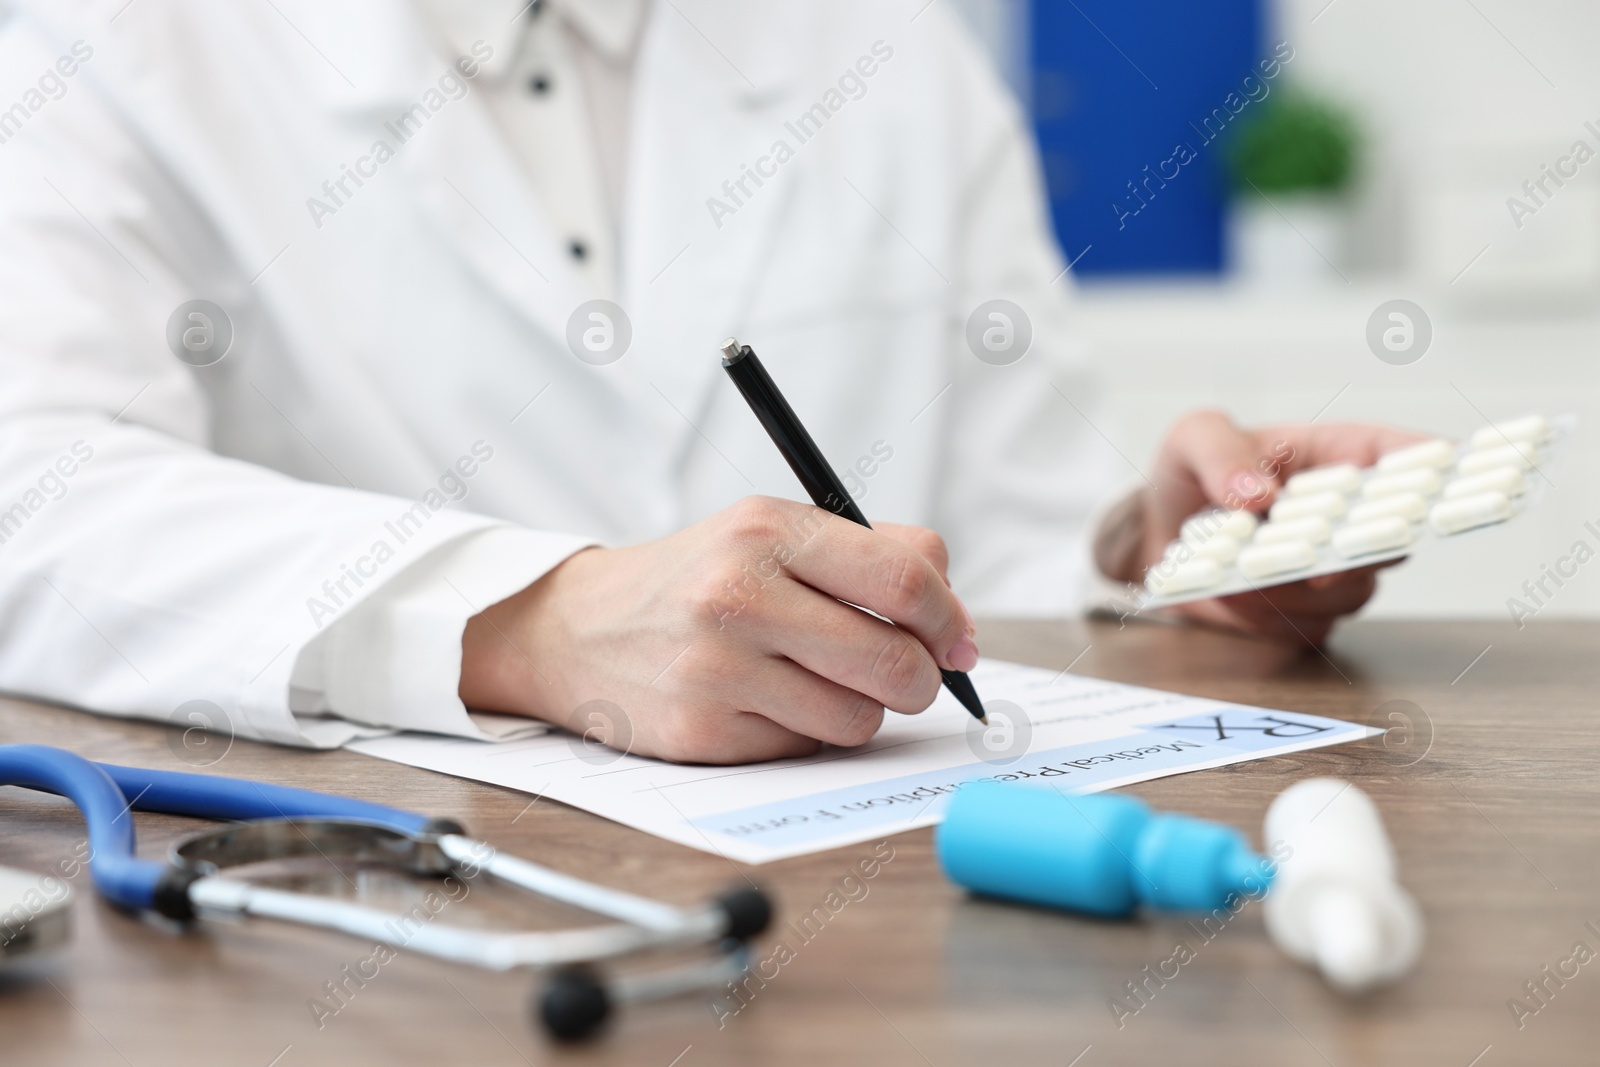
(282,823)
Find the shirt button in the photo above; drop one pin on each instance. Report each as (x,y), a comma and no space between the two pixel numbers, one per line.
(539,84)
(578,249)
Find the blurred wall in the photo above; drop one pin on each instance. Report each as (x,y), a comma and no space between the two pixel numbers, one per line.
(1451,94)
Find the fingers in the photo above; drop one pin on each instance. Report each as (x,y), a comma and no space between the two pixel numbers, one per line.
(1225,460)
(921,540)
(1239,468)
(1208,459)
(1328,594)
(803,703)
(692,736)
(1300,612)
(781,711)
(931,547)
(847,648)
(861,566)
(1321,444)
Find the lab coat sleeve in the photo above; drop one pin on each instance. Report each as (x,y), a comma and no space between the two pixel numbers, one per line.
(140,573)
(1031,453)
(395,660)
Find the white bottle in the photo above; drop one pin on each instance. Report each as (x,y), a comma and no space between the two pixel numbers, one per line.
(1335,902)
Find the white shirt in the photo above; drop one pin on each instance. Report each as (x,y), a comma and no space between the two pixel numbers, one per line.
(559,91)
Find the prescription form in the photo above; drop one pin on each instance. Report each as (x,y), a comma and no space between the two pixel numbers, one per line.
(1048,729)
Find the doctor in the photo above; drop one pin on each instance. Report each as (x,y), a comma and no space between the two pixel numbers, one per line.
(334,338)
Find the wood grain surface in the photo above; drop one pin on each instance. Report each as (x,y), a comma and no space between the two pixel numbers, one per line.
(1486,779)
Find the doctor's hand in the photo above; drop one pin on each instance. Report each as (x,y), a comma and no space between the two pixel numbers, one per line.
(1206,461)
(729,641)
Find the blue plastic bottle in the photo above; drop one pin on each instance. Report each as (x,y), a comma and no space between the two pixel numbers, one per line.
(1104,854)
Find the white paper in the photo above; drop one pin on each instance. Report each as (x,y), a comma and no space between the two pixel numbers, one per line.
(1048,728)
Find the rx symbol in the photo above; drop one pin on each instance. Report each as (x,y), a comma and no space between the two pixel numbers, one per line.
(1279,727)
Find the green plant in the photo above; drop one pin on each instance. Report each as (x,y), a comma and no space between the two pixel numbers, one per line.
(1292,143)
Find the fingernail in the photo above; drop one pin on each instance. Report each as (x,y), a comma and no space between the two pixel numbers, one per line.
(964,656)
(972,627)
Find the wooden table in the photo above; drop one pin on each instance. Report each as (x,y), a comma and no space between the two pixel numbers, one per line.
(1487,782)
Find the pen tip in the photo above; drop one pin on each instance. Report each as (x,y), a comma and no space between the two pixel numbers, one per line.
(984,719)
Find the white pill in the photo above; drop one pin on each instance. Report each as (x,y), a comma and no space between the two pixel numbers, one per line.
(1170,577)
(1421,480)
(1534,428)
(1469,512)
(1236,524)
(1220,547)
(1378,535)
(1260,561)
(1310,528)
(1343,478)
(1507,480)
(1409,506)
(1429,455)
(1521,456)
(1329,503)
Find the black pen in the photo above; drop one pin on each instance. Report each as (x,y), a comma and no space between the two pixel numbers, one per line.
(805,459)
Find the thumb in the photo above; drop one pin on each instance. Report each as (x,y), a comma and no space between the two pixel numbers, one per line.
(1226,462)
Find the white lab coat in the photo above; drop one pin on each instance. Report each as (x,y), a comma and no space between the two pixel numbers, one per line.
(409,331)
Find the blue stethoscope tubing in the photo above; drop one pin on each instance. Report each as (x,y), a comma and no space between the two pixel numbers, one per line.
(107,794)
(576,1001)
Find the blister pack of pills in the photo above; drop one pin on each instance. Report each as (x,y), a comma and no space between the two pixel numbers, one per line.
(1340,517)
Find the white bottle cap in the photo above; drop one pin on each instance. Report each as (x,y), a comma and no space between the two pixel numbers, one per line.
(1335,903)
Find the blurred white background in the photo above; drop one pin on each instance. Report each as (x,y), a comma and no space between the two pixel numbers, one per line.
(1458,103)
